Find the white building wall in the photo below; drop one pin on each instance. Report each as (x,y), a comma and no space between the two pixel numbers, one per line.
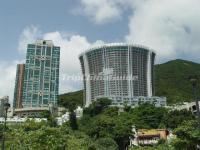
(137,58)
(87,75)
(149,75)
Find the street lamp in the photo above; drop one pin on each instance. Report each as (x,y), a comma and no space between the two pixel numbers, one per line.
(6,107)
(194,81)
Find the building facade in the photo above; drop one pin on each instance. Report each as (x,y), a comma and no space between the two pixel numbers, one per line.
(40,76)
(190,106)
(147,137)
(3,100)
(18,92)
(121,72)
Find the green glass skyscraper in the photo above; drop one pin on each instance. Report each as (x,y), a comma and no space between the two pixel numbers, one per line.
(41,76)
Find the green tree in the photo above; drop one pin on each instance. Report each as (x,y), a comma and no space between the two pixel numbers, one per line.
(148,116)
(73,121)
(46,138)
(31,125)
(117,127)
(97,107)
(122,130)
(45,114)
(101,126)
(78,141)
(111,111)
(188,136)
(104,144)
(50,118)
(174,118)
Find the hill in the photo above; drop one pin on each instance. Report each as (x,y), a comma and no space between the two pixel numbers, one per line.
(171,80)
(76,97)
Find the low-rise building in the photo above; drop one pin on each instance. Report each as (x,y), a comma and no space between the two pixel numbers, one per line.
(136,100)
(3,100)
(30,112)
(147,137)
(10,112)
(61,111)
(190,106)
(34,112)
(79,112)
(65,117)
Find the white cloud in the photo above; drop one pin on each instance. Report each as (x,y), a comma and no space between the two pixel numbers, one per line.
(170,27)
(71,46)
(7,78)
(29,35)
(103,11)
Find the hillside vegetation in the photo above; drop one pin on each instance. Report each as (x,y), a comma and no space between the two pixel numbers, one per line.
(171,80)
(105,128)
(66,99)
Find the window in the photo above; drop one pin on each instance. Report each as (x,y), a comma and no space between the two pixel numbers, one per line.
(37,62)
(45,101)
(38,52)
(48,51)
(52,87)
(46,86)
(47,63)
(36,72)
(31,46)
(35,97)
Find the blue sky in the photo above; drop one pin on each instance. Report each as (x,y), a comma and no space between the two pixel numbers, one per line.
(170,27)
(50,15)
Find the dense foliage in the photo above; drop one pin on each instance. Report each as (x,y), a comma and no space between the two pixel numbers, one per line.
(188,135)
(41,136)
(103,127)
(100,121)
(174,118)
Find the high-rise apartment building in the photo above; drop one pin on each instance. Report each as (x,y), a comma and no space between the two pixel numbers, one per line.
(121,72)
(41,80)
(40,76)
(17,103)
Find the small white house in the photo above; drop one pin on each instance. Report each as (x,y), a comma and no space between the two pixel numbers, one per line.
(65,117)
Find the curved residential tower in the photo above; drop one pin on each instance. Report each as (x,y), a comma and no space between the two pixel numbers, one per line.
(121,72)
